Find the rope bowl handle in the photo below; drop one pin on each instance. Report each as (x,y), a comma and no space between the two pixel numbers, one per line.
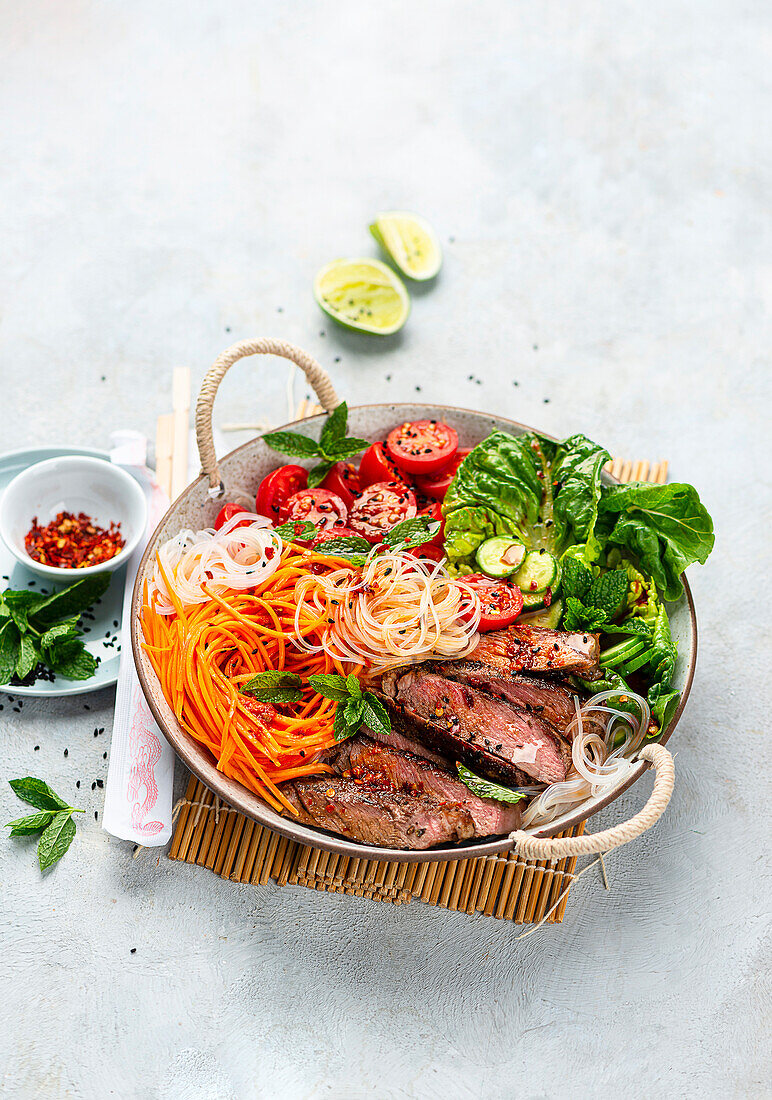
(551,848)
(317,376)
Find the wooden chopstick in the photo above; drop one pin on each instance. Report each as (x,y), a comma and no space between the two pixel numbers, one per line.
(181,413)
(164,452)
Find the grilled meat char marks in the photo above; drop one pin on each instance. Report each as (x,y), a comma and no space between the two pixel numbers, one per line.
(381,765)
(536,649)
(497,739)
(550,700)
(374,815)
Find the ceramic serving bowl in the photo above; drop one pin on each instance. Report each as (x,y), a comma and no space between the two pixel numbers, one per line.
(244,468)
(72,483)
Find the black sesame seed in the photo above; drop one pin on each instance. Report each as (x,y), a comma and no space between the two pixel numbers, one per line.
(66,752)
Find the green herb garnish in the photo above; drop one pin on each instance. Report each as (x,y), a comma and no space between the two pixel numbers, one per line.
(333,446)
(355,707)
(591,601)
(483,788)
(38,629)
(274,686)
(53,820)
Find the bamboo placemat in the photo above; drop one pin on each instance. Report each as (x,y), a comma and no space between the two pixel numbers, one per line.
(210,834)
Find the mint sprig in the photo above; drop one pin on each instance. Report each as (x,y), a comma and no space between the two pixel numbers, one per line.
(53,820)
(333,446)
(355,707)
(37,629)
(591,601)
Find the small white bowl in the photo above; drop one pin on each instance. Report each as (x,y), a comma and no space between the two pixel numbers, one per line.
(72,483)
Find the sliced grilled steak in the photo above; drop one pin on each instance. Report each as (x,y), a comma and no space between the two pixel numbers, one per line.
(386,817)
(493,737)
(536,649)
(380,765)
(550,700)
(404,743)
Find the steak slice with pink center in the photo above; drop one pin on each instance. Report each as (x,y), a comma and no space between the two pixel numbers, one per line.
(378,764)
(491,736)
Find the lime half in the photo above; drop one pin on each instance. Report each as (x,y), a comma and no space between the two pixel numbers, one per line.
(410,242)
(365,295)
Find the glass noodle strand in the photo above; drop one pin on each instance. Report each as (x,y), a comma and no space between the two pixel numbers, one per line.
(395,610)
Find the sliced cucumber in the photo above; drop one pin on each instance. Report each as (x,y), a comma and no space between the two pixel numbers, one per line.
(533,601)
(548,617)
(538,572)
(500,556)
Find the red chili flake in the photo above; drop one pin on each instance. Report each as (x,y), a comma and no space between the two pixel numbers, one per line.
(73,541)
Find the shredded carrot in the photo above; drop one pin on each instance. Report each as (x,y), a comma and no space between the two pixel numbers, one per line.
(203,654)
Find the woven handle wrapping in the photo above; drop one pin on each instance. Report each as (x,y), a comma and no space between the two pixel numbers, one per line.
(534,847)
(317,376)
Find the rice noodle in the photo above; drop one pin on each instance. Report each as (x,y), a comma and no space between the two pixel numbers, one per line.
(196,563)
(395,610)
(598,763)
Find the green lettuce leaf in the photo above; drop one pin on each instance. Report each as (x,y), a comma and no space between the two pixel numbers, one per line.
(544,493)
(665,527)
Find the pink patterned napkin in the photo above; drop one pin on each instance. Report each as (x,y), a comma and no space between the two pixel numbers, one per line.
(140,779)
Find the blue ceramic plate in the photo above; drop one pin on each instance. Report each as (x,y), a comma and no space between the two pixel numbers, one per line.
(102,633)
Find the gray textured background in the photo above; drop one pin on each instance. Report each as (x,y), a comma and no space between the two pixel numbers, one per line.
(172,177)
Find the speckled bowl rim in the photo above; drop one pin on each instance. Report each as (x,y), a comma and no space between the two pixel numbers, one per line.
(202,765)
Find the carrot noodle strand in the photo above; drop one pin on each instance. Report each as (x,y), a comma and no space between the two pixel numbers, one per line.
(204,650)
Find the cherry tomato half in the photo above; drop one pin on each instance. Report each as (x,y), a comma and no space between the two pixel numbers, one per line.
(501,602)
(436,485)
(377,465)
(428,551)
(228,511)
(422,446)
(380,507)
(318,506)
(343,480)
(277,487)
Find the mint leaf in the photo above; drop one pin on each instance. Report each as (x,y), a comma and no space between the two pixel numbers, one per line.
(292,443)
(375,715)
(483,788)
(344,545)
(318,473)
(353,685)
(579,617)
(608,592)
(67,628)
(274,686)
(9,649)
(21,604)
(56,840)
(331,686)
(341,729)
(411,532)
(24,826)
(296,530)
(346,448)
(28,657)
(352,711)
(37,793)
(75,666)
(334,427)
(576,578)
(70,601)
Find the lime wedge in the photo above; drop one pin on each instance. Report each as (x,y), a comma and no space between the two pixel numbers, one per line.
(365,295)
(410,242)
